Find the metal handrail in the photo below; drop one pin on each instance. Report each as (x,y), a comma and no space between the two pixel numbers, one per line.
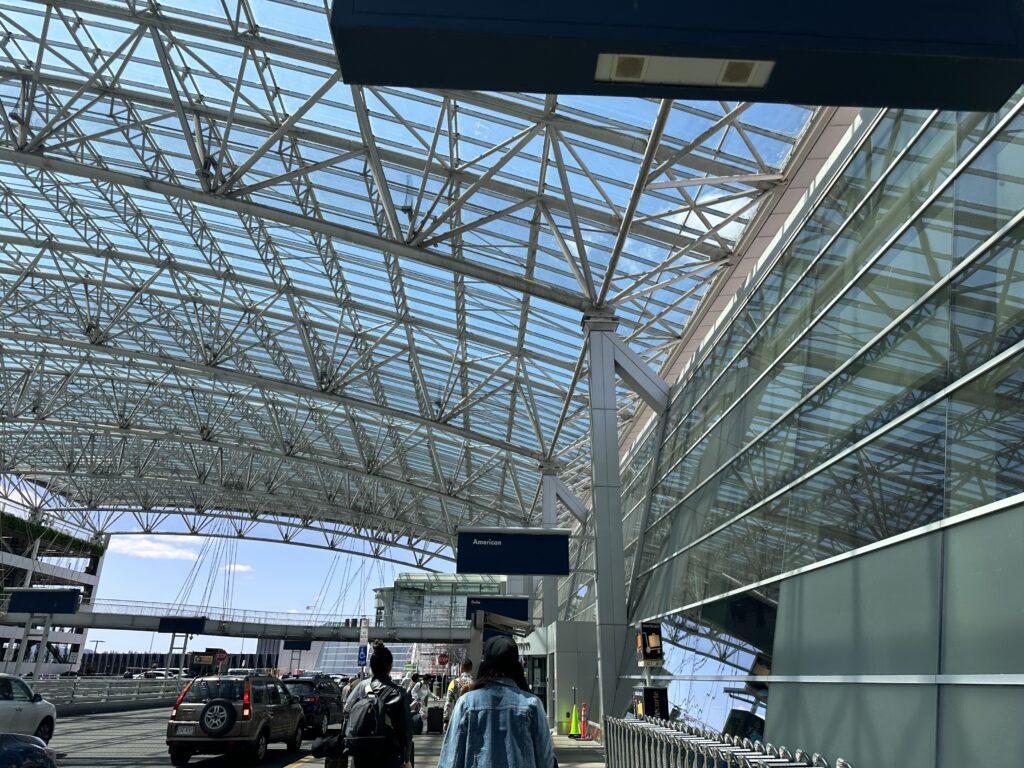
(213,613)
(91,691)
(141,608)
(651,743)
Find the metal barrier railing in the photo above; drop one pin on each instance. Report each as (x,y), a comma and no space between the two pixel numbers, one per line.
(651,743)
(89,691)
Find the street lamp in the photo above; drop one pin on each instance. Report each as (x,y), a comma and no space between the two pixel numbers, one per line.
(95,653)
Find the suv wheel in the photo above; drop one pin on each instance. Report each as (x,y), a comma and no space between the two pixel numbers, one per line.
(294,744)
(325,721)
(259,749)
(180,756)
(217,717)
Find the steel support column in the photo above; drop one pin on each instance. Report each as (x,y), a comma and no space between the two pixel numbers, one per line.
(610,356)
(609,555)
(549,493)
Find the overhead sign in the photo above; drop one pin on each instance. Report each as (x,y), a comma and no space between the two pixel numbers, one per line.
(182,625)
(35,600)
(513,551)
(512,607)
(912,53)
(297,645)
(649,650)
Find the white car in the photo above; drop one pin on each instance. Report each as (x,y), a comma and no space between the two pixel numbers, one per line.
(22,711)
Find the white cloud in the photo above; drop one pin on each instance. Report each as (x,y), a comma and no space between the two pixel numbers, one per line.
(237,568)
(151,547)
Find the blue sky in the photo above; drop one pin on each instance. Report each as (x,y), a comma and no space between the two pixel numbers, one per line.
(265,577)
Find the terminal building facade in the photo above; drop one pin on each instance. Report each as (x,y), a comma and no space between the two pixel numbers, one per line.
(834,498)
(37,555)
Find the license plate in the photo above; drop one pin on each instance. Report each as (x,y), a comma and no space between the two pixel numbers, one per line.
(186,730)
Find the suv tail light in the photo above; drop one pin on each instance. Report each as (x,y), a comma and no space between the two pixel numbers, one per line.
(174,709)
(247,701)
(314,699)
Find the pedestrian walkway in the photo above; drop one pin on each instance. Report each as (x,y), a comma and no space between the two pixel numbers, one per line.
(571,754)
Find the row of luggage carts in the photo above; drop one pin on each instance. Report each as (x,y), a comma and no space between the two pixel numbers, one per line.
(651,743)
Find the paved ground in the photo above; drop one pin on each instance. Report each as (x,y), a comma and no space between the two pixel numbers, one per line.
(130,739)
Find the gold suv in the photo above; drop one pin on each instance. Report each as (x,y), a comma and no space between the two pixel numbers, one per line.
(217,715)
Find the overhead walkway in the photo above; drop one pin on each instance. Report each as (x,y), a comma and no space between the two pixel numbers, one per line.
(145,617)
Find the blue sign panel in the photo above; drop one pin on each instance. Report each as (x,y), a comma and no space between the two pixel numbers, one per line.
(513,551)
(512,607)
(362,656)
(44,601)
(182,625)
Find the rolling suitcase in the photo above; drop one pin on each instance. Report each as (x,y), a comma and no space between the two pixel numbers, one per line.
(435,720)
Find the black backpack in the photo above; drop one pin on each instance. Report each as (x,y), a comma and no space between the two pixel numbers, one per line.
(369,731)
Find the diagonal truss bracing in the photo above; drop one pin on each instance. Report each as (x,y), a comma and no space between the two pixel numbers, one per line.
(240,297)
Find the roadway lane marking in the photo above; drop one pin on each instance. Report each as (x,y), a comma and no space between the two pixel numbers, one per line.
(303,761)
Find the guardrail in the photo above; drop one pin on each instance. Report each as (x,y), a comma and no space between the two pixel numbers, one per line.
(107,691)
(651,743)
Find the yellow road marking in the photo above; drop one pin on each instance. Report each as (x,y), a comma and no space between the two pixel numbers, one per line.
(303,761)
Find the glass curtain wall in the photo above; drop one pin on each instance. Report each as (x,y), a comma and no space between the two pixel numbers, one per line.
(869,383)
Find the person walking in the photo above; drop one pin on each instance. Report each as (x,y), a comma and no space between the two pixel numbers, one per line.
(498,723)
(378,723)
(456,688)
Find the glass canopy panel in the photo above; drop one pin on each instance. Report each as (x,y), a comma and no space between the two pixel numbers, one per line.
(243,297)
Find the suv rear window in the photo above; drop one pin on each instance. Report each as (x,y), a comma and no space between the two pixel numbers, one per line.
(204,690)
(298,688)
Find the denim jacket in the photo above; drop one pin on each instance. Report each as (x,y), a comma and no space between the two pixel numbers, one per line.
(498,726)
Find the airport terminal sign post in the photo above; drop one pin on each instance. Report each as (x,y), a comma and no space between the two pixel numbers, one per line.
(364,639)
(650,700)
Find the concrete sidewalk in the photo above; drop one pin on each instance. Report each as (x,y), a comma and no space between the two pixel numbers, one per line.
(570,753)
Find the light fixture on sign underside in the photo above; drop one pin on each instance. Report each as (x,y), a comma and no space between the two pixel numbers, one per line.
(678,70)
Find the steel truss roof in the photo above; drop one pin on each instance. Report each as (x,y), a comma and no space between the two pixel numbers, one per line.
(240,297)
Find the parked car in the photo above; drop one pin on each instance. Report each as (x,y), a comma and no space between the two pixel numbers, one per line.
(321,700)
(22,711)
(20,751)
(218,715)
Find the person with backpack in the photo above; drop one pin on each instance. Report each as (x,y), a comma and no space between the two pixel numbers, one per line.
(378,724)
(456,688)
(498,722)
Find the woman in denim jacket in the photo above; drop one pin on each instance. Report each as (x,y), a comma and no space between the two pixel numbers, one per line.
(498,723)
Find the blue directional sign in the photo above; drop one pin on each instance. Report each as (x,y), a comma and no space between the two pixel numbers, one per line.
(37,600)
(513,551)
(512,607)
